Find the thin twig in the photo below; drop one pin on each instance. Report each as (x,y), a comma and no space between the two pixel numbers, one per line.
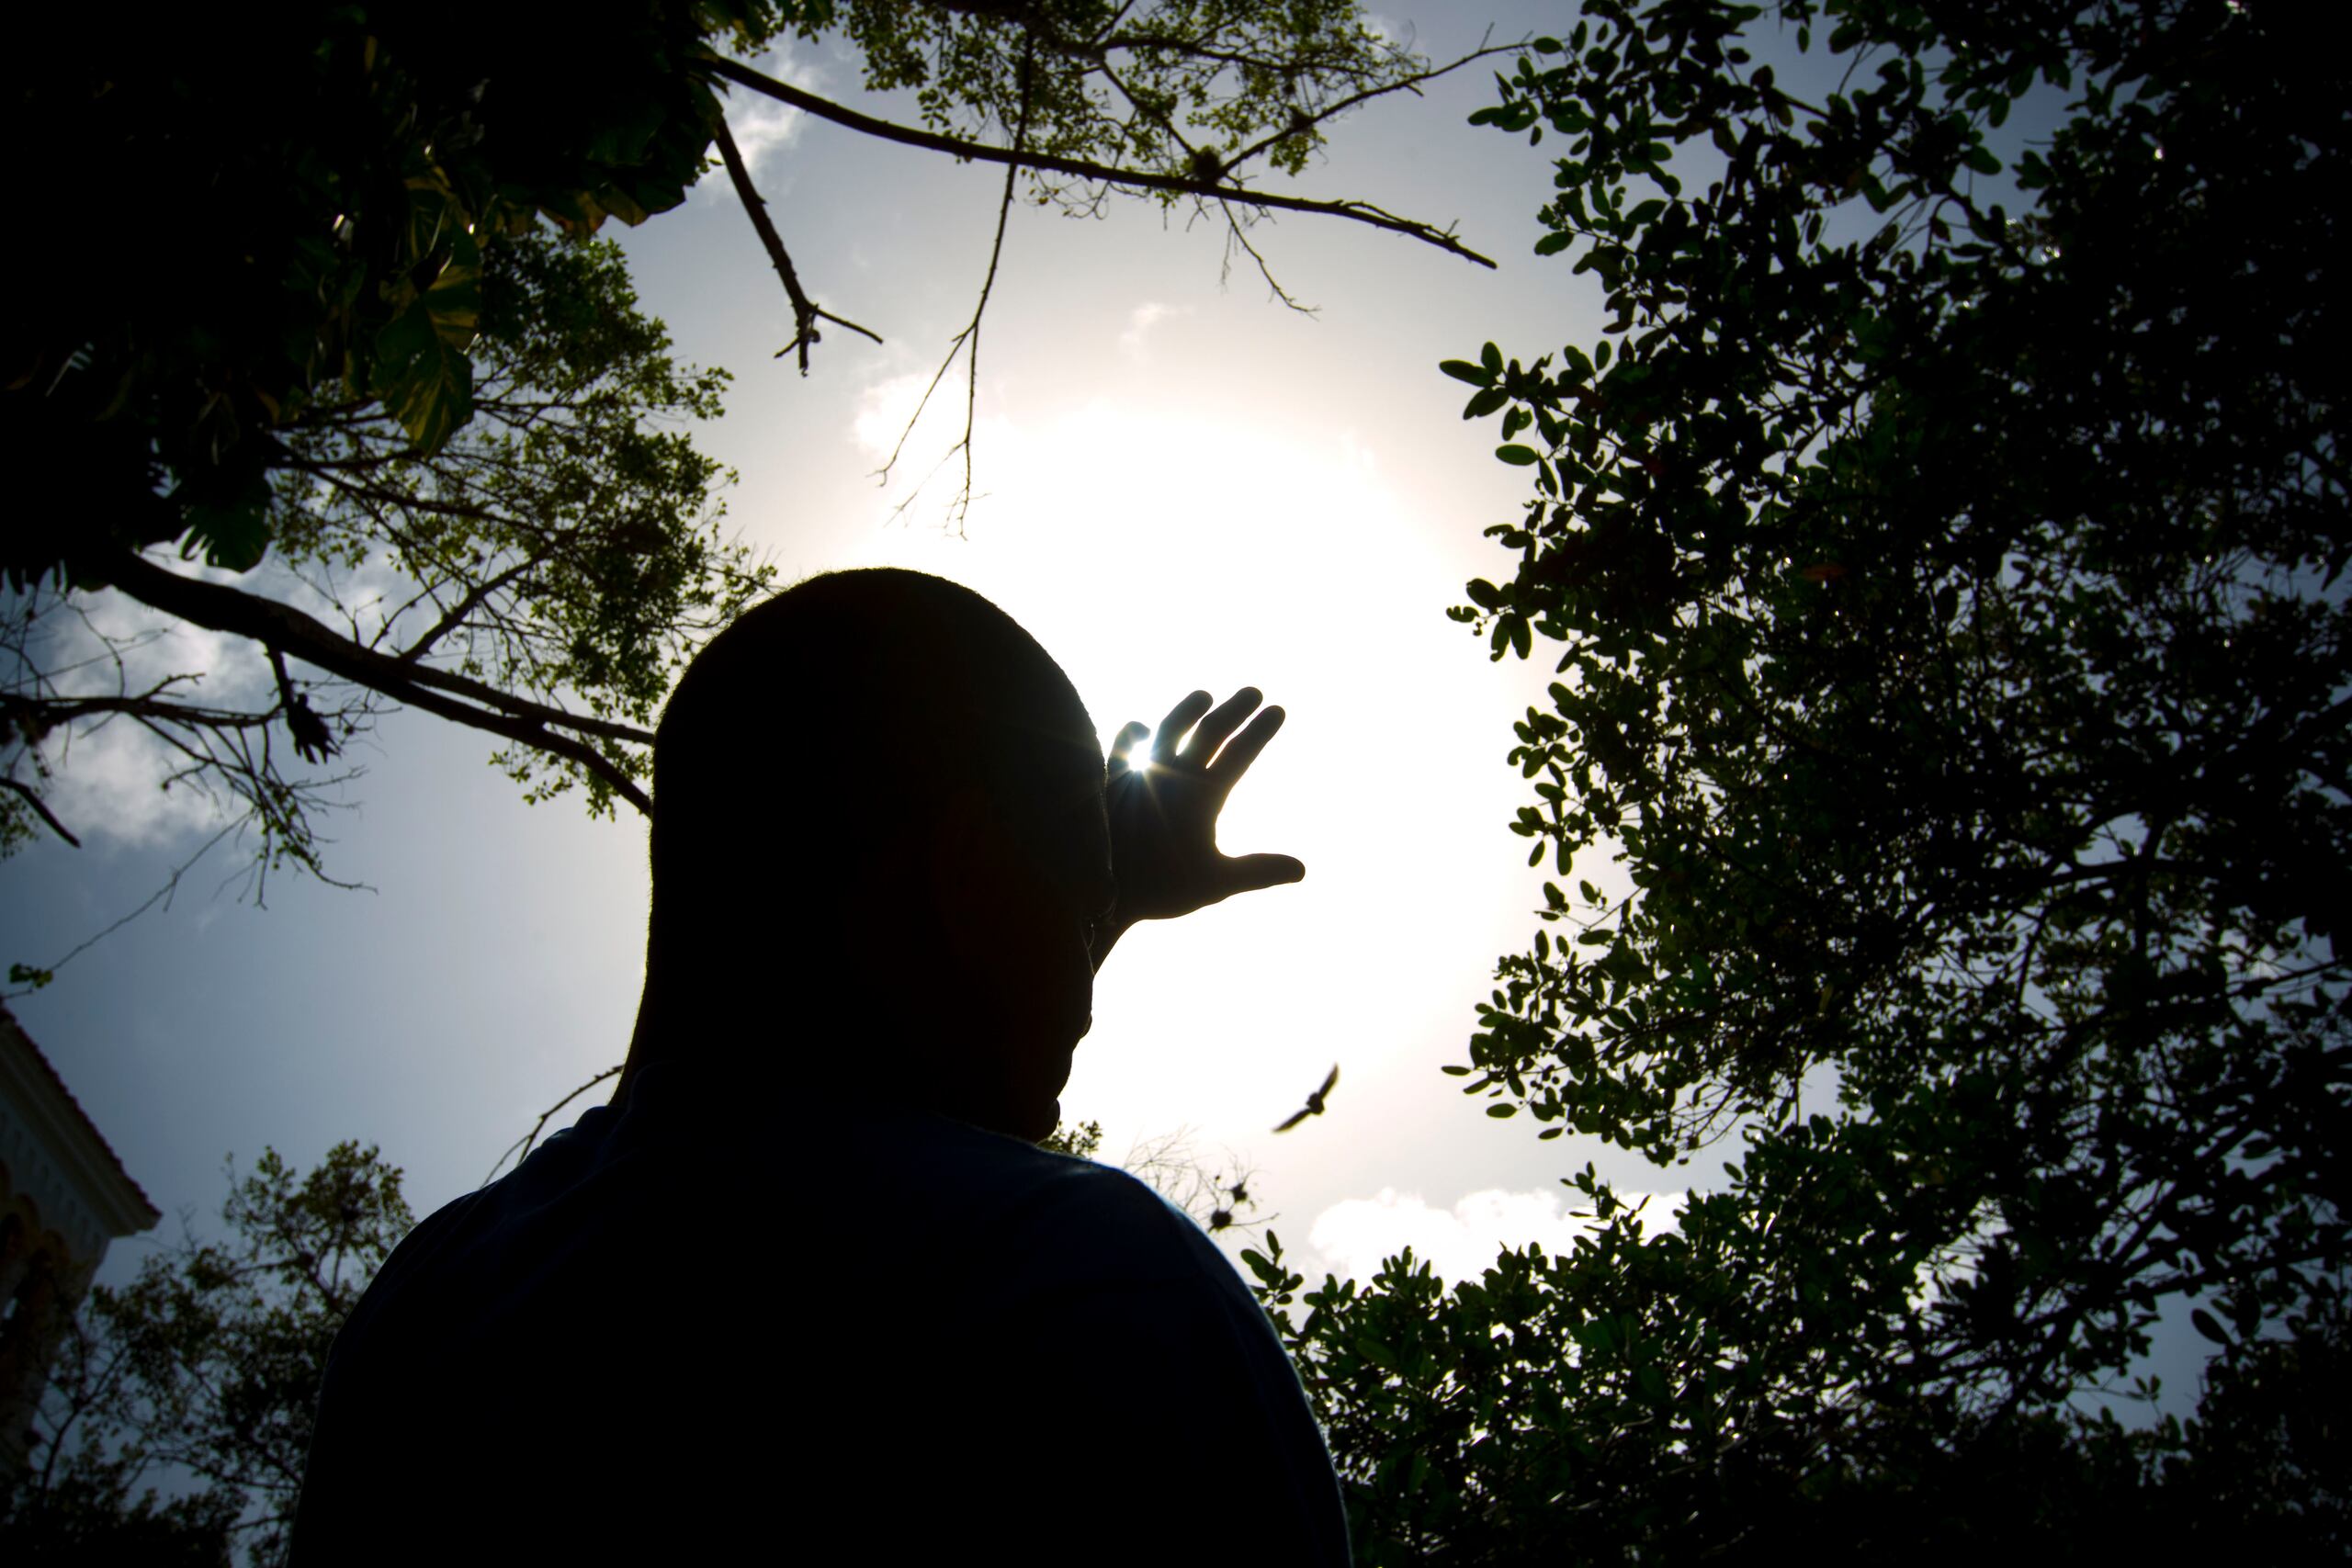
(1407,85)
(968,338)
(531,1137)
(1079,168)
(163,894)
(806,312)
(1234,236)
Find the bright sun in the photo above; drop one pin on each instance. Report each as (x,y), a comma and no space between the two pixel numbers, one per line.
(1139,755)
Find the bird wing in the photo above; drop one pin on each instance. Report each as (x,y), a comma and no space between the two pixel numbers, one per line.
(1329,1083)
(1296,1118)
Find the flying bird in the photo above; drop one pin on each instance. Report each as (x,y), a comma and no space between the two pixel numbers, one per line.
(1314,1102)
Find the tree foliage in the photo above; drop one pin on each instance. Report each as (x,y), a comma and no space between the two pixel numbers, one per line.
(542,574)
(316,336)
(331,188)
(1190,89)
(204,1372)
(1076,1139)
(565,540)
(360,381)
(337,185)
(1955,657)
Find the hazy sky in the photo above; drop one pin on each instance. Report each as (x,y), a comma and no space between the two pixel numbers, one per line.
(1184,486)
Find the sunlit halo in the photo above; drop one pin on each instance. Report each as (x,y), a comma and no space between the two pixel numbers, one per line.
(1139,755)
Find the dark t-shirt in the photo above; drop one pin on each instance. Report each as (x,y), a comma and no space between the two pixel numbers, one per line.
(895,1338)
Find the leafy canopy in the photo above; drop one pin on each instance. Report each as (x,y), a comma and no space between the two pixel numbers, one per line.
(567,540)
(334,188)
(545,572)
(316,333)
(330,191)
(1190,87)
(1944,547)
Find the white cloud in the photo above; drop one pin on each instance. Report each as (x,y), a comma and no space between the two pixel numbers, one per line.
(883,409)
(1141,320)
(106,784)
(764,127)
(1460,1243)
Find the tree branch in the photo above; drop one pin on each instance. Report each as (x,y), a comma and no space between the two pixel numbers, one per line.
(144,707)
(41,807)
(267,621)
(286,629)
(806,313)
(1079,168)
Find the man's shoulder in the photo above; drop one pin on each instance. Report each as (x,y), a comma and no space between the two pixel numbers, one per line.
(465,1253)
(1059,1217)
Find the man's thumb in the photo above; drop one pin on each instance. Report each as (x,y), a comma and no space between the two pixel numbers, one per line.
(1247,873)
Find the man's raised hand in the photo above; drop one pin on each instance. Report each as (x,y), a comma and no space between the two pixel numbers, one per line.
(1163,813)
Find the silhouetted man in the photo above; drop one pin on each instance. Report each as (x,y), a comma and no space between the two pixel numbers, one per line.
(807,1289)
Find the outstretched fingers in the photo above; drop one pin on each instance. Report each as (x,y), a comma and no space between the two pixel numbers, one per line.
(1219,725)
(1180,717)
(1234,760)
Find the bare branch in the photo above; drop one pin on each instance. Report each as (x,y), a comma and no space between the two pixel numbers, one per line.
(806,313)
(1079,168)
(207,747)
(148,708)
(970,338)
(33,799)
(285,628)
(1235,236)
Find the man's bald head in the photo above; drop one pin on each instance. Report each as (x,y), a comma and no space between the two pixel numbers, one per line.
(821,723)
(878,847)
